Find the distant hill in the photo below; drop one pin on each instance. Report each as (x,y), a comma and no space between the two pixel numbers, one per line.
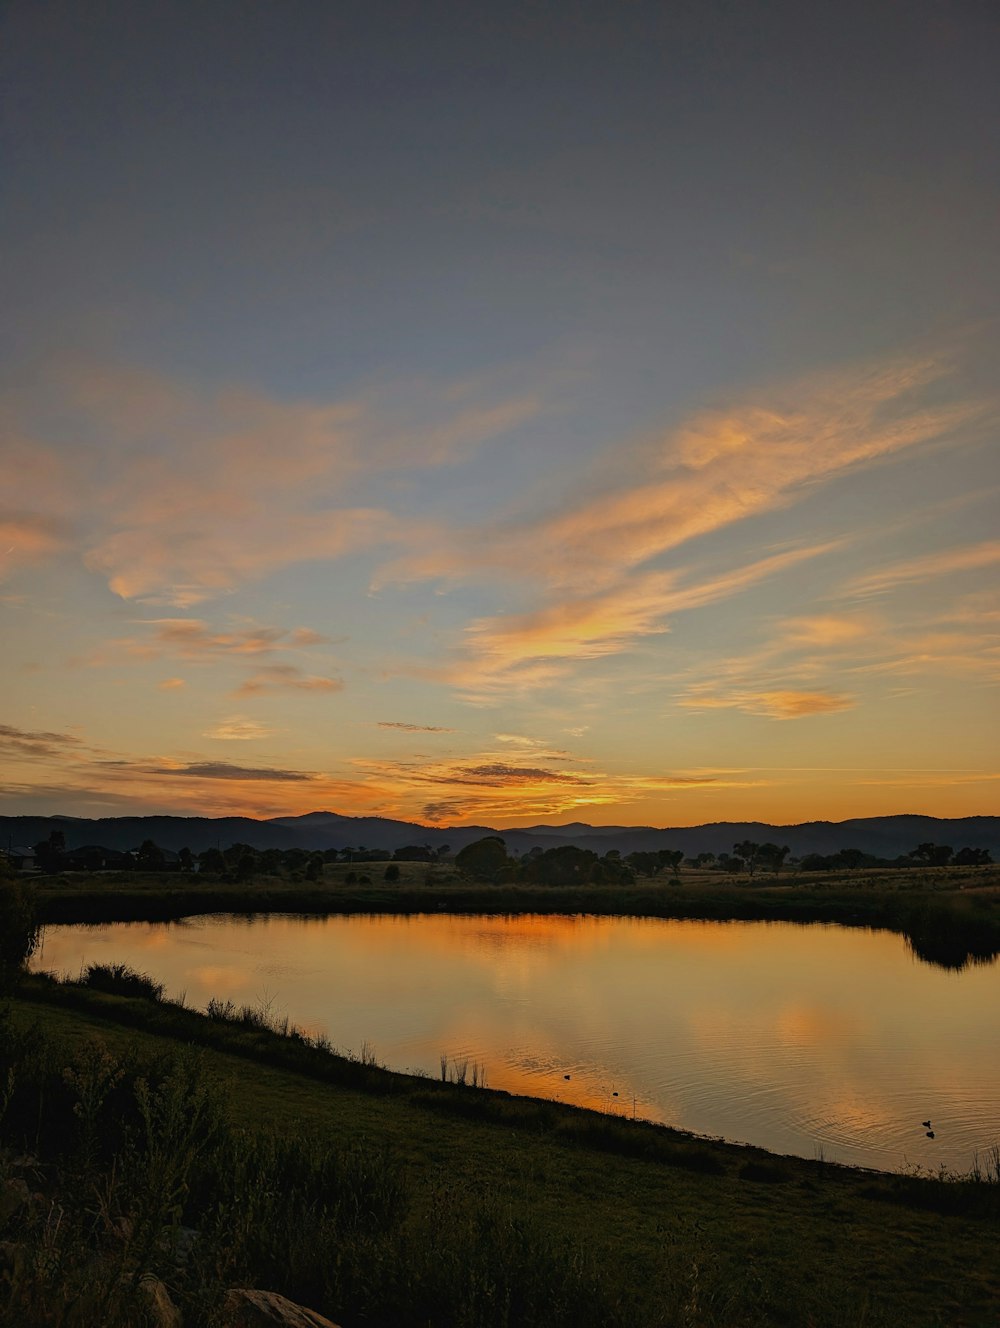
(882,836)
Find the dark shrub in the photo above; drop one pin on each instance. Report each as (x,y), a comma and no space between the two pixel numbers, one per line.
(120,980)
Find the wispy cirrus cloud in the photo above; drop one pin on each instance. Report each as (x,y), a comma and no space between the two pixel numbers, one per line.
(238,728)
(194,639)
(720,468)
(972,655)
(827,631)
(403,727)
(286,678)
(594,564)
(526,651)
(221,770)
(17,742)
(176,494)
(779,703)
(26,537)
(927,567)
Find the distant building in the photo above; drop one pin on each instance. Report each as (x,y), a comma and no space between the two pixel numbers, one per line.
(20,858)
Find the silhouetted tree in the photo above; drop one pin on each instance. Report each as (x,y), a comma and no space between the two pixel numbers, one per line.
(49,851)
(211,860)
(934,855)
(484,858)
(646,864)
(851,858)
(314,867)
(391,873)
(972,857)
(149,856)
(414,853)
(772,857)
(748,851)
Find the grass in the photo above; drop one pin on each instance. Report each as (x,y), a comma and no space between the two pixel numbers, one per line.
(501,1210)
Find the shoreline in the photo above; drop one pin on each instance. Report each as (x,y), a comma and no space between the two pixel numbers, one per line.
(950,925)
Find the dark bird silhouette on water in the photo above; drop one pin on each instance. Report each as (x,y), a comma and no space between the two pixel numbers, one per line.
(926,1124)
(565,1076)
(930,1134)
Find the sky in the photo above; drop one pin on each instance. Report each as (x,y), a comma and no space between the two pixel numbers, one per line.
(500,414)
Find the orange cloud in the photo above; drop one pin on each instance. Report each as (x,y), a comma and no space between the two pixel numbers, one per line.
(718,469)
(412,728)
(26,537)
(828,630)
(284,678)
(26,743)
(948,654)
(782,703)
(181,494)
(192,638)
(531,650)
(238,728)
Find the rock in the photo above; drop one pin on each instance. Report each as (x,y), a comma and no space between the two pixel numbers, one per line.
(160,1309)
(266,1309)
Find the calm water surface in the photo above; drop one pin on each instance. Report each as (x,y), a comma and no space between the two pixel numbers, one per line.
(814,1040)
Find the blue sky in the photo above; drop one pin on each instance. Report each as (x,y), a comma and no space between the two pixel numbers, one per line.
(464,414)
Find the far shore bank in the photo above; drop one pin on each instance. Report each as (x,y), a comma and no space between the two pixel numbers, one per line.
(949,915)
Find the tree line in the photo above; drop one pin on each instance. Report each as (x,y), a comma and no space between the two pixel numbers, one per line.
(489,859)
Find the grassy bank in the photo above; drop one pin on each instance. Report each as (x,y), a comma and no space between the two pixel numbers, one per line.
(392,1199)
(950,915)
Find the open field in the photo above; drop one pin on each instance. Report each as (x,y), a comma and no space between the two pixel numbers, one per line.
(642,1224)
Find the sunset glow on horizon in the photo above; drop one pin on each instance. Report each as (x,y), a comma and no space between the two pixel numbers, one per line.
(535,419)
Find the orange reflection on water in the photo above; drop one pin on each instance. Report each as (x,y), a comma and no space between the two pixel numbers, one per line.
(796,1037)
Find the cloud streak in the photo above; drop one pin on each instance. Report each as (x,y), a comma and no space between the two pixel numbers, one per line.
(194,639)
(25,743)
(412,728)
(178,494)
(224,770)
(720,468)
(780,703)
(947,562)
(526,651)
(286,678)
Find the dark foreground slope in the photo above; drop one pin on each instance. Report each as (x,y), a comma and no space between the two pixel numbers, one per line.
(391,1200)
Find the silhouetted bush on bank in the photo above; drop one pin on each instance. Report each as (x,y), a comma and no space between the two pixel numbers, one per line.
(121,980)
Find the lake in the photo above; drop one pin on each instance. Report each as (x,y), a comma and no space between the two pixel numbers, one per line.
(816,1040)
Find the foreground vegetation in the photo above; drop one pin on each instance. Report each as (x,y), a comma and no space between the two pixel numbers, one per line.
(140,1138)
